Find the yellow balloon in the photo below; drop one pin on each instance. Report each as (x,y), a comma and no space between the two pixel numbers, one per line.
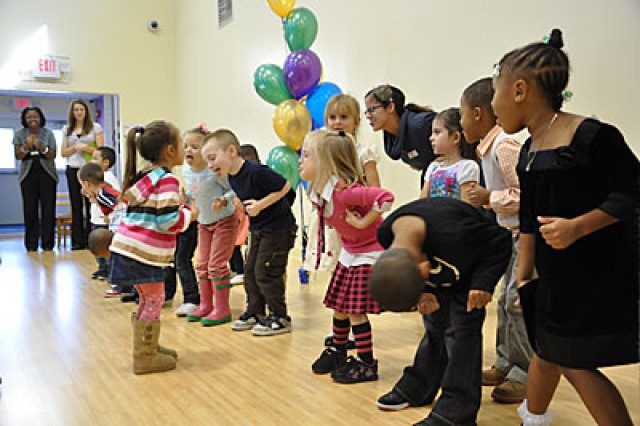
(281,7)
(292,122)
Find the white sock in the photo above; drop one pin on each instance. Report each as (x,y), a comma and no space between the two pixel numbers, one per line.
(530,419)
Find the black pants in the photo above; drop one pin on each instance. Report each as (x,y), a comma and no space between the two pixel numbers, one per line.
(449,358)
(237,262)
(80,220)
(265,268)
(39,207)
(186,243)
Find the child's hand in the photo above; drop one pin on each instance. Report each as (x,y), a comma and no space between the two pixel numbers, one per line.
(478,299)
(478,195)
(252,207)
(194,213)
(354,219)
(184,199)
(558,232)
(428,303)
(218,203)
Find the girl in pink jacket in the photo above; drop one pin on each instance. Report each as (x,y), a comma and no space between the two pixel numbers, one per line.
(330,163)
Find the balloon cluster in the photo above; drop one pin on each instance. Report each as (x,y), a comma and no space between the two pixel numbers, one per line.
(296,89)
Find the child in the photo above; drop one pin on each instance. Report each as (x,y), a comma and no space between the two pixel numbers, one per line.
(272,233)
(217,234)
(145,242)
(342,113)
(194,173)
(499,156)
(455,254)
(451,174)
(249,153)
(105,157)
(330,163)
(578,224)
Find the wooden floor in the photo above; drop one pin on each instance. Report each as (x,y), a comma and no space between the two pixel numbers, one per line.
(65,360)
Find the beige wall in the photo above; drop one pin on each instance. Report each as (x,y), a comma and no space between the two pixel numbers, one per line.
(192,70)
(110,49)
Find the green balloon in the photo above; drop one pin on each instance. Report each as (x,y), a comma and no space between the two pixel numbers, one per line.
(300,28)
(284,160)
(268,81)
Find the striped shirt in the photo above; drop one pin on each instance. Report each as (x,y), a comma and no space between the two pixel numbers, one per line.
(154,216)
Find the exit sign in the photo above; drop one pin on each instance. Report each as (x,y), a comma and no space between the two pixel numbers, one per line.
(47,67)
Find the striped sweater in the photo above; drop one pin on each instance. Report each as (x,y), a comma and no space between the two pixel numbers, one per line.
(154,216)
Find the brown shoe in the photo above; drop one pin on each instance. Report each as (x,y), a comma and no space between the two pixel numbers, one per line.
(493,377)
(509,392)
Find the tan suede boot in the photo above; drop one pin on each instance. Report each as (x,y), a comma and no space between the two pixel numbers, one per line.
(161,349)
(146,358)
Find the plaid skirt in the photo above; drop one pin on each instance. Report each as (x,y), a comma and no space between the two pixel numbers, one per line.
(349,290)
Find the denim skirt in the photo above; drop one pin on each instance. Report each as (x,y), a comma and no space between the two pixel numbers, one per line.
(127,271)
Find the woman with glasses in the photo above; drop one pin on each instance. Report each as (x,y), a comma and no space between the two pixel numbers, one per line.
(406,128)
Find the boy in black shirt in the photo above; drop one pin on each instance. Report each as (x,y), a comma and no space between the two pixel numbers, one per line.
(444,259)
(272,232)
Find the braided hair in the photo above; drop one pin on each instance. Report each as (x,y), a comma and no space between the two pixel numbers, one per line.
(544,61)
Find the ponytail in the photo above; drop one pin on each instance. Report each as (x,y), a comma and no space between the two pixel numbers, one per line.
(130,167)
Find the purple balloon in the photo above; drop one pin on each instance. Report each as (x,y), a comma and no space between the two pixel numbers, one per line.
(302,72)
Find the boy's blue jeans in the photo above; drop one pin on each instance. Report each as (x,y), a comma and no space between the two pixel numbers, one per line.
(449,357)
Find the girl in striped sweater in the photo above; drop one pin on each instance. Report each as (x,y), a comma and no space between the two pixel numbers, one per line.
(146,238)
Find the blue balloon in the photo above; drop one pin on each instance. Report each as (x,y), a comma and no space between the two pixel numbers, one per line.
(317,102)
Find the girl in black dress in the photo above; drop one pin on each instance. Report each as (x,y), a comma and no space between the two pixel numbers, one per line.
(578,219)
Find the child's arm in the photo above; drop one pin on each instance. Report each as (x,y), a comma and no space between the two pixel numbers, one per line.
(468,175)
(371,174)
(254,207)
(424,192)
(507,200)
(378,199)
(354,219)
(526,259)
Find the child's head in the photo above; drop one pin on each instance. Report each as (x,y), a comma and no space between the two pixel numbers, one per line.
(193,141)
(342,113)
(91,177)
(447,137)
(476,114)
(396,282)
(249,152)
(105,157)
(529,78)
(99,242)
(221,150)
(158,142)
(326,154)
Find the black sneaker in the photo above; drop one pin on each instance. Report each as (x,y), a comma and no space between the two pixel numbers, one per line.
(355,371)
(328,341)
(392,401)
(271,325)
(129,297)
(99,275)
(329,360)
(246,321)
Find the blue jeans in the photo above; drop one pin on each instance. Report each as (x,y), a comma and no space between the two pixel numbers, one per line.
(186,243)
(449,357)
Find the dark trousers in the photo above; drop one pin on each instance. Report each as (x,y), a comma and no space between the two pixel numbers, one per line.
(186,243)
(39,207)
(80,218)
(237,262)
(265,268)
(449,357)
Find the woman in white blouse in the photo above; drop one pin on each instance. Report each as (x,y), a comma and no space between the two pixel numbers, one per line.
(81,137)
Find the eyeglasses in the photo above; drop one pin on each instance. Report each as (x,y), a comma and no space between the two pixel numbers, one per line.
(371,109)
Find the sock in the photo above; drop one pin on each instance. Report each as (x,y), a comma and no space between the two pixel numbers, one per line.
(364,341)
(530,419)
(151,300)
(341,334)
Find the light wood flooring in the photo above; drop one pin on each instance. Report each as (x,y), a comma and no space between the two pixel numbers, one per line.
(65,360)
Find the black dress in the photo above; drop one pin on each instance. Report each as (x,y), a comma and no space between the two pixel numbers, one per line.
(583,310)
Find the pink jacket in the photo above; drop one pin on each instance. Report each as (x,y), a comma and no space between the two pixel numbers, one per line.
(361,199)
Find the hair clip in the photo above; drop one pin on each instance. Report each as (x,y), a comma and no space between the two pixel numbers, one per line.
(567,95)
(546,38)
(203,127)
(140,130)
(496,71)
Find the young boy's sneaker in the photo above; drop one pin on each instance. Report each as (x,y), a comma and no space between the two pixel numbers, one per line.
(185,309)
(355,371)
(112,293)
(99,275)
(129,297)
(329,360)
(272,325)
(246,321)
(237,280)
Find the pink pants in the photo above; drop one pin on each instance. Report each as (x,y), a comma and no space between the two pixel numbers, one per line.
(215,246)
